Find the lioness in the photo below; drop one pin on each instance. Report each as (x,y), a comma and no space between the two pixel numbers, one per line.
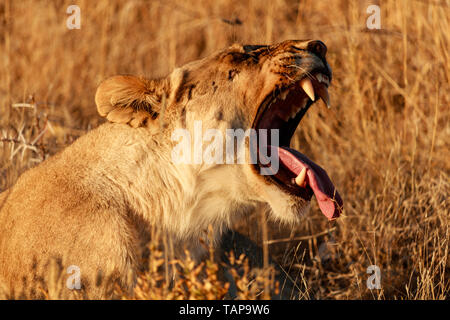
(94,204)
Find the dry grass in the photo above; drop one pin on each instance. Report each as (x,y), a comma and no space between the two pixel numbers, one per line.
(385,142)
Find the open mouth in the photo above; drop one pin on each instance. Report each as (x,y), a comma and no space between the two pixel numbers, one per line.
(283,109)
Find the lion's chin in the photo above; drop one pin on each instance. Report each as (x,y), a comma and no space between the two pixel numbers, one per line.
(284,207)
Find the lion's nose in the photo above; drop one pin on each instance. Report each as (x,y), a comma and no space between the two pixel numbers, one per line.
(317,47)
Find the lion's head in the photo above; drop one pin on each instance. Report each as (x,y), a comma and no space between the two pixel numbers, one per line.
(267,88)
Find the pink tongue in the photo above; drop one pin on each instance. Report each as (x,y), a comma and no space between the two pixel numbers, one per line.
(330,202)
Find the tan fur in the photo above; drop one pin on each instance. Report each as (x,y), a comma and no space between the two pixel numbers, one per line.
(94,204)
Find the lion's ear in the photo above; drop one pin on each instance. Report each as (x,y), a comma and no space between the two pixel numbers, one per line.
(129,99)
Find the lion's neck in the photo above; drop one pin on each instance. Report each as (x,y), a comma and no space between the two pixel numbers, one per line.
(181,199)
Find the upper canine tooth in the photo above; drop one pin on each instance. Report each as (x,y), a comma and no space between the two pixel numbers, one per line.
(322,92)
(283,95)
(326,99)
(307,86)
(300,180)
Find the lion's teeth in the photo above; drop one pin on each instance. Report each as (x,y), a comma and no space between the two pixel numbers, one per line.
(323,79)
(293,115)
(307,86)
(283,95)
(300,180)
(326,98)
(296,111)
(322,92)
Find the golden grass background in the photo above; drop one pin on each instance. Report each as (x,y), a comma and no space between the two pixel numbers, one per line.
(385,142)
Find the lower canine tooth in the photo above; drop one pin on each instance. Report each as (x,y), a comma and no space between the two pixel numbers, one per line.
(300,180)
(307,86)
